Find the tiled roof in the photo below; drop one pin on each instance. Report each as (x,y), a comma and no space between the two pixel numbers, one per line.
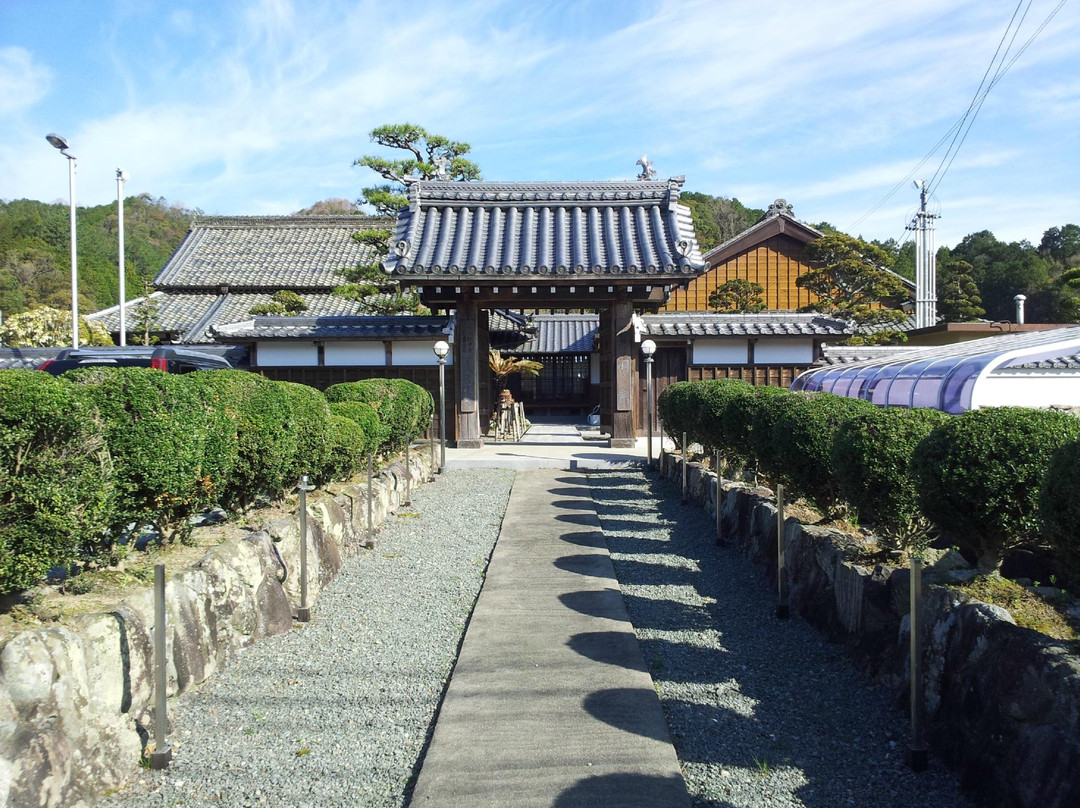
(765,323)
(356,327)
(561,333)
(536,229)
(278,252)
(189,316)
(846,354)
(777,219)
(1057,363)
(507,321)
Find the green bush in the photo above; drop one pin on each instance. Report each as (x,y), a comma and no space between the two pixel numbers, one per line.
(221,447)
(978,476)
(675,410)
(156,431)
(871,461)
(373,432)
(403,407)
(1059,507)
(266,436)
(802,444)
(708,401)
(347,439)
(752,418)
(56,493)
(310,414)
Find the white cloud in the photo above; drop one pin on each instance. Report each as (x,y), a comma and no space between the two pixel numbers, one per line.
(23,82)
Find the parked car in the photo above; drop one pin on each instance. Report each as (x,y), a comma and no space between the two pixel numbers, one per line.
(167,359)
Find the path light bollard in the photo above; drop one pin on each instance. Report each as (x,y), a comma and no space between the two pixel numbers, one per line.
(719,501)
(441,349)
(431,447)
(782,610)
(685,459)
(162,754)
(408,476)
(648,348)
(303,611)
(918,756)
(370,502)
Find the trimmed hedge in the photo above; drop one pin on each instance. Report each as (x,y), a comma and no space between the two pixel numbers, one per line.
(311,417)
(871,461)
(266,436)
(763,409)
(1059,507)
(403,408)
(56,477)
(978,476)
(675,409)
(346,460)
(156,430)
(373,433)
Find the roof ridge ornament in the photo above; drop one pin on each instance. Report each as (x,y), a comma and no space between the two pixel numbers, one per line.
(647,170)
(778,207)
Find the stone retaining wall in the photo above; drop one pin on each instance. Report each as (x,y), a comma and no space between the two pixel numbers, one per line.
(1003,701)
(76,702)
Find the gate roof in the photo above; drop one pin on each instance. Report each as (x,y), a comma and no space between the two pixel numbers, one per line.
(610,233)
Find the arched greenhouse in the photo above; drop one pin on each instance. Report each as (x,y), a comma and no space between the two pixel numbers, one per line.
(1034,369)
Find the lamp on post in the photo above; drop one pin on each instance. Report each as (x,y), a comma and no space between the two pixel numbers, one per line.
(58,142)
(442,348)
(648,348)
(121,175)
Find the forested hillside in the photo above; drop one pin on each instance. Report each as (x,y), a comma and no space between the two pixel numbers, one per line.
(35,252)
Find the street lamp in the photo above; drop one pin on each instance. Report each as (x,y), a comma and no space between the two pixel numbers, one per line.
(121,175)
(61,144)
(441,349)
(648,348)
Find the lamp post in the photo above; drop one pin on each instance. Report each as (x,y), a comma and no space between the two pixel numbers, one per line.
(121,175)
(648,348)
(61,144)
(441,349)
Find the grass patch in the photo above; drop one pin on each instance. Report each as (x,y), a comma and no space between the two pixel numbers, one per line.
(1028,609)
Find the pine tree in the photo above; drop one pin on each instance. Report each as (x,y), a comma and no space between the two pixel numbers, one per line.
(958,296)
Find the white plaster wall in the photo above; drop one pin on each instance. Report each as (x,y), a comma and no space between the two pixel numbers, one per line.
(369,353)
(287,354)
(784,351)
(418,353)
(719,352)
(1045,388)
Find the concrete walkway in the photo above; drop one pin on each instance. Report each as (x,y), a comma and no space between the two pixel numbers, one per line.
(553,443)
(550,704)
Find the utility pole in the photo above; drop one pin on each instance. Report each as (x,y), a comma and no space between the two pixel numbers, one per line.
(925,262)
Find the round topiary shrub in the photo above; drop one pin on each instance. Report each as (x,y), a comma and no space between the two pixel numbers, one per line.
(56,475)
(871,461)
(310,414)
(347,441)
(978,476)
(1059,507)
(266,436)
(372,431)
(802,443)
(761,410)
(156,429)
(400,404)
(673,407)
(709,399)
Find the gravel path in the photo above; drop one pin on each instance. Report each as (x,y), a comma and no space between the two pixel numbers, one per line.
(337,711)
(763,712)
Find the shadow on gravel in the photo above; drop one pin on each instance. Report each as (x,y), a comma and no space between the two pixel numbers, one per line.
(761,711)
(630,709)
(590,538)
(626,790)
(573,504)
(609,647)
(587,519)
(595,565)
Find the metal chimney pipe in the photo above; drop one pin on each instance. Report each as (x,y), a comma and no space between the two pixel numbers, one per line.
(1019,300)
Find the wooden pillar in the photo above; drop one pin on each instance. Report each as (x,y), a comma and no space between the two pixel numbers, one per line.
(467,362)
(622,375)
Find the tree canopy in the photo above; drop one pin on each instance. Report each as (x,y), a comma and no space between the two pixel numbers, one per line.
(430,156)
(958,299)
(717,219)
(739,295)
(852,281)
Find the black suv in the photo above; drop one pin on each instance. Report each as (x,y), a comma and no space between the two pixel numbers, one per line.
(169,360)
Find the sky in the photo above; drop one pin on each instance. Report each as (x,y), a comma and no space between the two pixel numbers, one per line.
(260,107)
